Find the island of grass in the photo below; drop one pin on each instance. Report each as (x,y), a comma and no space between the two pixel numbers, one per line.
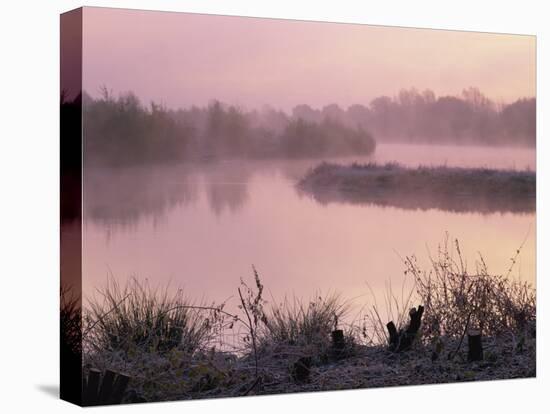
(454,189)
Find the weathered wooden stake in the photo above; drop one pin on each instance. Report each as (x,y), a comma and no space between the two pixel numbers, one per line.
(416,319)
(475,348)
(392,330)
(338,341)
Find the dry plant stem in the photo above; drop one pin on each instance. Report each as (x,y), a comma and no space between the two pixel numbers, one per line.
(100,319)
(252,332)
(451,356)
(205,308)
(517,253)
(194,307)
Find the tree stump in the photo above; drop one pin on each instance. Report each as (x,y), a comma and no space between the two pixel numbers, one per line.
(475,347)
(403,340)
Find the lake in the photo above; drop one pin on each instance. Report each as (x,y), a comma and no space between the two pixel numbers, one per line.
(202,227)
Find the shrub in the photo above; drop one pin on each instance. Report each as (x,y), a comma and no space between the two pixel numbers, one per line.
(456,298)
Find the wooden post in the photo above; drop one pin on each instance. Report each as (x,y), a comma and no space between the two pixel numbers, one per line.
(475,348)
(394,336)
(416,319)
(402,340)
(338,341)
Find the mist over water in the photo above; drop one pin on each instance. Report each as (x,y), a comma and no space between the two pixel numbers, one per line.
(194,197)
(203,226)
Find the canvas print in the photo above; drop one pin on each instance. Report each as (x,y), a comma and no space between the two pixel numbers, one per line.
(256,206)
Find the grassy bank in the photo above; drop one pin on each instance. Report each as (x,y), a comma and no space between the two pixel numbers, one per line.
(445,188)
(172,348)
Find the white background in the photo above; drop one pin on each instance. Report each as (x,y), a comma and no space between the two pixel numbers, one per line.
(29,194)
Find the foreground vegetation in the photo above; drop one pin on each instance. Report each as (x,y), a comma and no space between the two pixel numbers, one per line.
(172,348)
(455,189)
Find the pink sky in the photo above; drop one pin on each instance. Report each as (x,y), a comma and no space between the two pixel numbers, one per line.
(183,59)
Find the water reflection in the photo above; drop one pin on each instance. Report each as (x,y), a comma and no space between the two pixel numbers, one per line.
(227,189)
(119,198)
(457,202)
(123,197)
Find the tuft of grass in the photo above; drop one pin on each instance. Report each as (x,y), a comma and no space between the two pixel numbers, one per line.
(137,316)
(300,324)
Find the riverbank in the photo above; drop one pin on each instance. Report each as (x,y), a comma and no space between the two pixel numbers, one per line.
(172,348)
(172,377)
(453,189)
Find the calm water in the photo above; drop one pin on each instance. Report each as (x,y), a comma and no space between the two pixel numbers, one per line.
(202,228)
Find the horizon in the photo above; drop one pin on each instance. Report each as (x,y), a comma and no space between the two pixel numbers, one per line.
(288,111)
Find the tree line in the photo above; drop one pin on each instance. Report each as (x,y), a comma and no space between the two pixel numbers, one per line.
(122,130)
(421,117)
